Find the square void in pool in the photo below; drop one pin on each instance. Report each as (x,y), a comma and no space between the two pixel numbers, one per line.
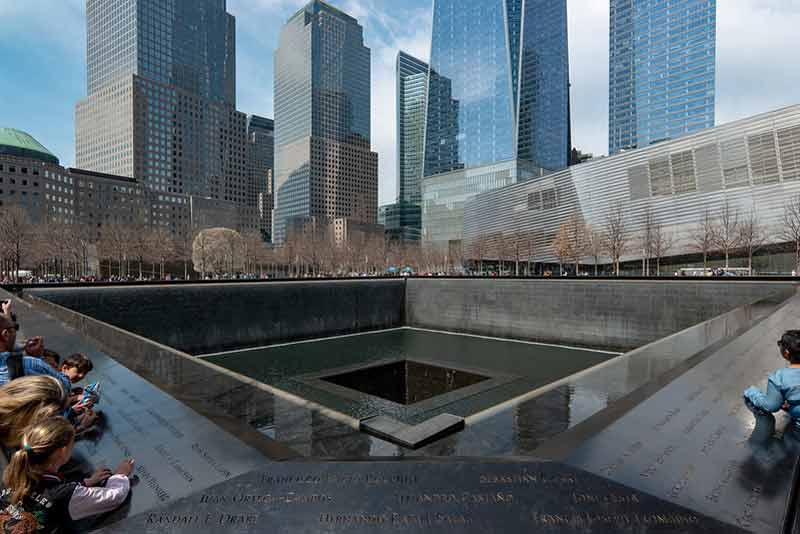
(406,382)
(408,374)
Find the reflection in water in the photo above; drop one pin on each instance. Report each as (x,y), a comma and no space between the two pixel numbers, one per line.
(541,417)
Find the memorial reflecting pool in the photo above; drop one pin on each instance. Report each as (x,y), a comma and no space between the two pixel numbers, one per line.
(407,373)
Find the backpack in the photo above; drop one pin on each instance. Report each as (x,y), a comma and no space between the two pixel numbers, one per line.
(14,365)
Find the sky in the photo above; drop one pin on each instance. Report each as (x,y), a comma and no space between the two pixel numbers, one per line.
(43,64)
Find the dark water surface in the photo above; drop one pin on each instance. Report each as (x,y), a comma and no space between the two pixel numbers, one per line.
(513,369)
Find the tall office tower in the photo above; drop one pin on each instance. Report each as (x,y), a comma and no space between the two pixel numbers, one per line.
(324,168)
(412,85)
(661,70)
(161,98)
(260,165)
(499,84)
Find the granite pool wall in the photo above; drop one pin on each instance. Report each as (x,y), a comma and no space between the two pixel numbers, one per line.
(606,314)
(206,318)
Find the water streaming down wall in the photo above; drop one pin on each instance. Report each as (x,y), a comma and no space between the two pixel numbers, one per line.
(614,314)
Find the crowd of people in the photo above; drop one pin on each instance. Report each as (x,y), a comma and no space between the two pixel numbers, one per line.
(42,414)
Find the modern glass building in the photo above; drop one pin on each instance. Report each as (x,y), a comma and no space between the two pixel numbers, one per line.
(498,103)
(412,85)
(161,96)
(662,65)
(401,221)
(260,165)
(499,84)
(752,166)
(324,168)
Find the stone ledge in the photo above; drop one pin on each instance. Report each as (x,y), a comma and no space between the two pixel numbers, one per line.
(416,436)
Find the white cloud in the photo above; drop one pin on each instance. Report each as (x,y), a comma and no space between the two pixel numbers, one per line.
(756,64)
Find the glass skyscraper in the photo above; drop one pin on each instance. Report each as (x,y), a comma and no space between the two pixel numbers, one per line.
(412,85)
(662,65)
(161,97)
(324,168)
(402,220)
(499,85)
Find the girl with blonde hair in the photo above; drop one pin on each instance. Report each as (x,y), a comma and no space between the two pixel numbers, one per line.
(37,499)
(27,400)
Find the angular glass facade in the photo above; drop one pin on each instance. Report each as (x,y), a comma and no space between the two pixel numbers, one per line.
(499,84)
(412,84)
(543,116)
(191,45)
(324,168)
(662,64)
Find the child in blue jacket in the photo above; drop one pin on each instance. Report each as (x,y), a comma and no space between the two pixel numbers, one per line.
(783,386)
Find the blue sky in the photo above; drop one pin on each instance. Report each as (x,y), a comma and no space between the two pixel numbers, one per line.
(42,74)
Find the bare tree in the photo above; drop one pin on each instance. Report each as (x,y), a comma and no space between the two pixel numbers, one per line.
(752,237)
(562,246)
(727,234)
(478,250)
(183,250)
(137,242)
(662,244)
(576,232)
(517,249)
(503,247)
(703,236)
(647,239)
(16,231)
(615,236)
(55,239)
(791,227)
(160,248)
(594,246)
(113,245)
(530,250)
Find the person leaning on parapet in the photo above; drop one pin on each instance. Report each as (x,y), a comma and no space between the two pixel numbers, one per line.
(15,363)
(36,497)
(28,400)
(783,386)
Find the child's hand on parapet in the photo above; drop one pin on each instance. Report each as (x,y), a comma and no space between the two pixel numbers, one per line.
(86,420)
(125,467)
(98,477)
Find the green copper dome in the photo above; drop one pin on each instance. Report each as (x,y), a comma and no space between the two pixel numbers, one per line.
(22,145)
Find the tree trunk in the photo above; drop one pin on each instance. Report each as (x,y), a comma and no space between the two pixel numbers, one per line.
(797,257)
